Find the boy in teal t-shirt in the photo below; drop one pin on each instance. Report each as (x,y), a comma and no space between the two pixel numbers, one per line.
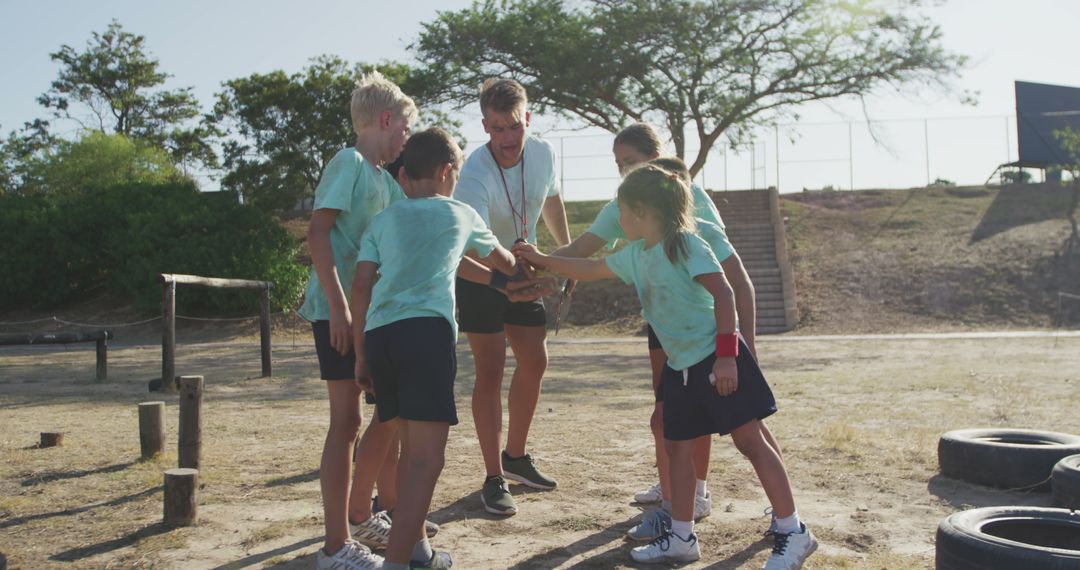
(404,331)
(354,188)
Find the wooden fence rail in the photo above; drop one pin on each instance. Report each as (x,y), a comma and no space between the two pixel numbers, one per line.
(101,337)
(169,282)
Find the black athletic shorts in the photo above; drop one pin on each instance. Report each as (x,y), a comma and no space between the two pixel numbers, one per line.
(332,365)
(413,364)
(654,343)
(482,309)
(693,408)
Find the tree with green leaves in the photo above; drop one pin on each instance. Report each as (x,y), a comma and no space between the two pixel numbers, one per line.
(115,86)
(715,67)
(280,130)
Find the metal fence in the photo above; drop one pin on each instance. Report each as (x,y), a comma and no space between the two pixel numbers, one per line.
(841,155)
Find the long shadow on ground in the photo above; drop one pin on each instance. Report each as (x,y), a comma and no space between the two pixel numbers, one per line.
(962,495)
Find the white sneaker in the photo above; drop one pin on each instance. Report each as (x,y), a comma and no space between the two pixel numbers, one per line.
(702,505)
(373,531)
(649,496)
(791,550)
(667,547)
(351,556)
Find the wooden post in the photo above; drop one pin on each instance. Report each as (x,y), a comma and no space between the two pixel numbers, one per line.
(151,429)
(190,448)
(168,336)
(52,439)
(102,358)
(264,330)
(181,497)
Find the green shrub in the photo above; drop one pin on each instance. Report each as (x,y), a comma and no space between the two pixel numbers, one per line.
(120,238)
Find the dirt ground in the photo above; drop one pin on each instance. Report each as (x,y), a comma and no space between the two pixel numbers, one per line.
(859,422)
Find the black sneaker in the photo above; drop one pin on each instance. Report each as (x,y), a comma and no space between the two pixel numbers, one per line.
(430,528)
(496,496)
(523,470)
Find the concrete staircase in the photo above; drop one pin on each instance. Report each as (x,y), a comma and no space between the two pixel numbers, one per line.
(756,229)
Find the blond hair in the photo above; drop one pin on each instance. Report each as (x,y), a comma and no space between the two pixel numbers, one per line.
(375,94)
(641,137)
(503,96)
(664,193)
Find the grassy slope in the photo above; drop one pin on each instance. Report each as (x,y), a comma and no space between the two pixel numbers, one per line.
(929,259)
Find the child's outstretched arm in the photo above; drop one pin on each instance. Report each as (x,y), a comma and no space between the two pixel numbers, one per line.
(725,372)
(322,257)
(580,269)
(361,300)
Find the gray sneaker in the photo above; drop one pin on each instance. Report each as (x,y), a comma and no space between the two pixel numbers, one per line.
(653,525)
(439,561)
(523,470)
(373,532)
(496,496)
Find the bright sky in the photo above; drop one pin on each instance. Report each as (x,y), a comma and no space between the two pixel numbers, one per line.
(202,43)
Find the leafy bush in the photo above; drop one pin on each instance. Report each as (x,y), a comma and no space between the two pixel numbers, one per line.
(119,238)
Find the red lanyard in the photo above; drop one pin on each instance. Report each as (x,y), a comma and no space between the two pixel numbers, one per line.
(524,215)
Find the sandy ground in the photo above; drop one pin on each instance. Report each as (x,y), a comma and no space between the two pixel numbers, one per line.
(859,422)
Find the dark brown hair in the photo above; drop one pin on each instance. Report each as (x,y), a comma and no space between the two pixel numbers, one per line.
(426,151)
(640,137)
(502,96)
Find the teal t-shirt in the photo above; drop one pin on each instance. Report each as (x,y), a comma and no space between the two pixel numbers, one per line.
(606,226)
(679,309)
(418,244)
(496,193)
(349,184)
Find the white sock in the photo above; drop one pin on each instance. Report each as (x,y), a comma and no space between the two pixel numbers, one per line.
(702,490)
(788,525)
(422,551)
(682,529)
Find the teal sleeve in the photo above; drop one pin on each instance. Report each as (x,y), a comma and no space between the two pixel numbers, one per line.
(396,193)
(369,249)
(481,240)
(336,185)
(699,257)
(621,263)
(704,207)
(606,226)
(716,238)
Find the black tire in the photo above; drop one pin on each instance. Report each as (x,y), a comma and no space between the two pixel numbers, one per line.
(1009,538)
(1065,482)
(1005,458)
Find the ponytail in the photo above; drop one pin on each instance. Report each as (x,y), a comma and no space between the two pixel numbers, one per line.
(668,197)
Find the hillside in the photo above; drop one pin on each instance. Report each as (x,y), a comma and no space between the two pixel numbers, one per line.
(931,259)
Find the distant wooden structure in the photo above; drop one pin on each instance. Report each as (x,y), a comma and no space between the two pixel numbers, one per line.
(168,307)
(101,337)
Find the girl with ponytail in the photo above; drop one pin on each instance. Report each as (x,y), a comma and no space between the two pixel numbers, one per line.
(711,383)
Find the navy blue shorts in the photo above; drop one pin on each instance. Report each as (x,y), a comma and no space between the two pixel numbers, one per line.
(413,364)
(654,343)
(696,409)
(332,365)
(482,309)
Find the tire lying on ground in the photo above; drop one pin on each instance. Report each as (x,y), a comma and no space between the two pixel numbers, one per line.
(1009,538)
(1005,458)
(1065,482)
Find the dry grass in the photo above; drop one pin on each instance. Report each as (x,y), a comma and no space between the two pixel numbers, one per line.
(858,425)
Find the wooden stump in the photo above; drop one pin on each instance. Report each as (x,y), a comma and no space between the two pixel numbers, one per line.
(102,358)
(51,439)
(190,437)
(151,429)
(181,496)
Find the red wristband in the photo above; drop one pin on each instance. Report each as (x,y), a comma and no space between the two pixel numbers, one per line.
(727,345)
